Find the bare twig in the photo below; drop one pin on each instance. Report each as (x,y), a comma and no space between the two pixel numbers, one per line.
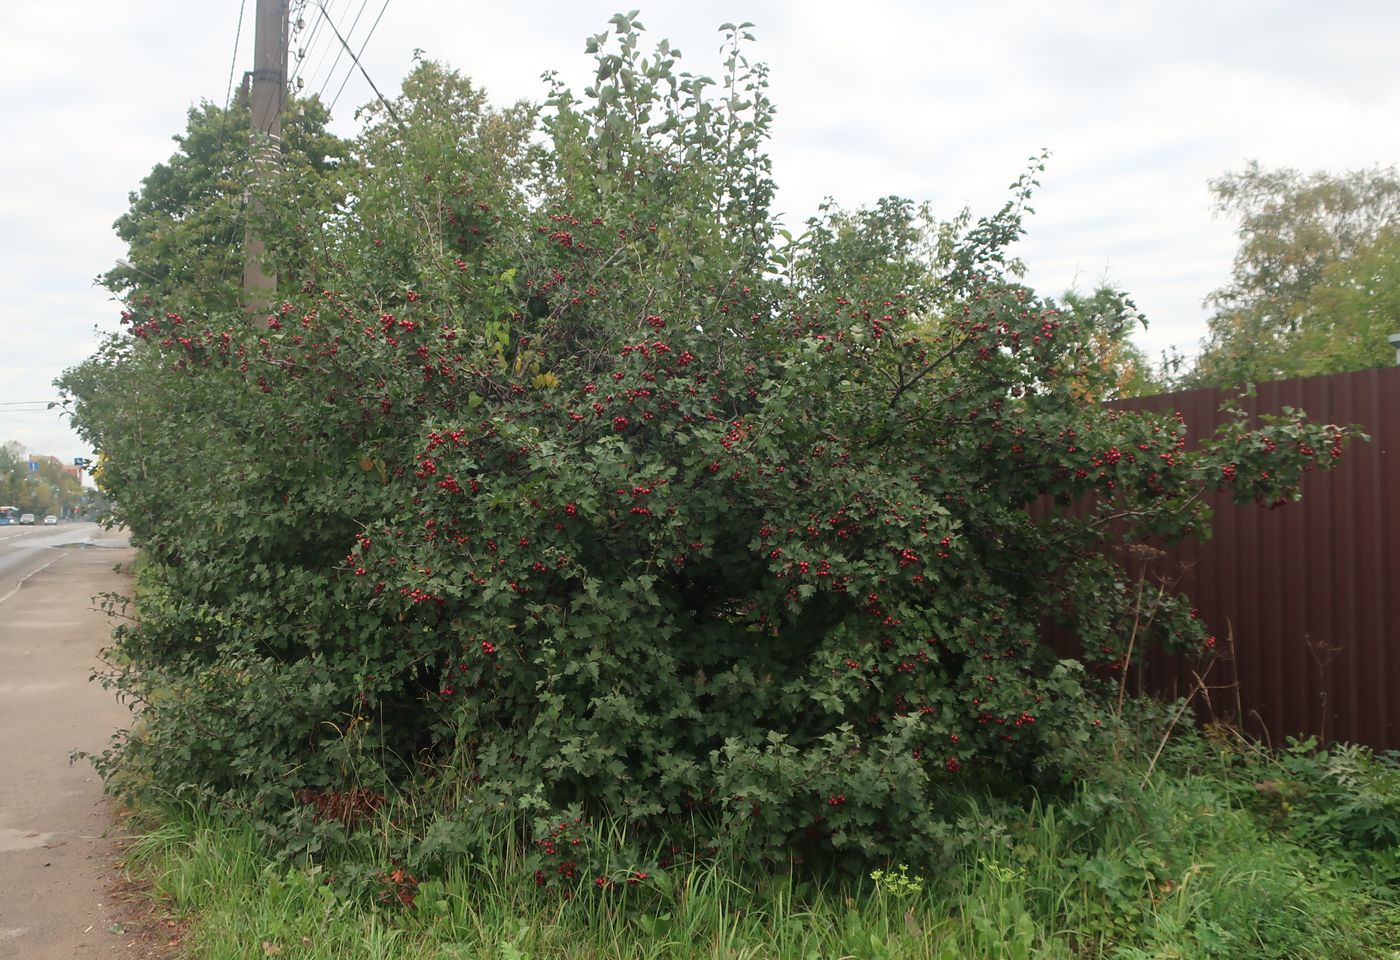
(1171,727)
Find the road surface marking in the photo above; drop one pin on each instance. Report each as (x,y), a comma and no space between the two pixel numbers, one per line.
(28,575)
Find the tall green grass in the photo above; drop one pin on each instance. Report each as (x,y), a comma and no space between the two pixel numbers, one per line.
(1196,862)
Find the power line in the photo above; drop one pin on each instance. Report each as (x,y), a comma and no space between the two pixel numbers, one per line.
(233,65)
(315,73)
(363,72)
(344,46)
(302,43)
(305,50)
(222,221)
(372,28)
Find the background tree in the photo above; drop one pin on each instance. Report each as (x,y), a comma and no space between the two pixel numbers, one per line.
(186,225)
(1299,232)
(1110,366)
(45,490)
(1352,309)
(421,195)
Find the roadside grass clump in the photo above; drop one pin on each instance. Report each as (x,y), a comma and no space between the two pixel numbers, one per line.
(1195,861)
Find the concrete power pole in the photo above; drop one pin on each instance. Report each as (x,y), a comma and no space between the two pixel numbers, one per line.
(267,100)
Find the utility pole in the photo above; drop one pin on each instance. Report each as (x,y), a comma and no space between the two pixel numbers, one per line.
(267,100)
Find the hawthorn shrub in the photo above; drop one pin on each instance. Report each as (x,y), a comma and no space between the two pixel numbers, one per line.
(562,472)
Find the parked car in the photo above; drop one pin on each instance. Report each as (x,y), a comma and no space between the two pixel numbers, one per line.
(50,520)
(27,518)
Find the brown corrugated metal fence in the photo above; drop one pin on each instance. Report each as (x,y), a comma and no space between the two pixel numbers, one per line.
(1310,592)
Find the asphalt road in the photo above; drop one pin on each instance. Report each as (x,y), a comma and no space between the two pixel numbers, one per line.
(59,895)
(23,549)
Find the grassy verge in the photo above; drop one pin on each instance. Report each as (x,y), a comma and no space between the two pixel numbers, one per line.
(1222,852)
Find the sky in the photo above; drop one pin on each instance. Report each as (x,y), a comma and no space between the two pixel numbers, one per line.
(1140,104)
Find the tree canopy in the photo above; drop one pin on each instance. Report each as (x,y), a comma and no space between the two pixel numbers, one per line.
(1313,284)
(46,489)
(186,225)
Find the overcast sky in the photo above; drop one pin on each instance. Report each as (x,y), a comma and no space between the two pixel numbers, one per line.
(1140,103)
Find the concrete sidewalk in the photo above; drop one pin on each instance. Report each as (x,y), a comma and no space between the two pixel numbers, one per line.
(58,880)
